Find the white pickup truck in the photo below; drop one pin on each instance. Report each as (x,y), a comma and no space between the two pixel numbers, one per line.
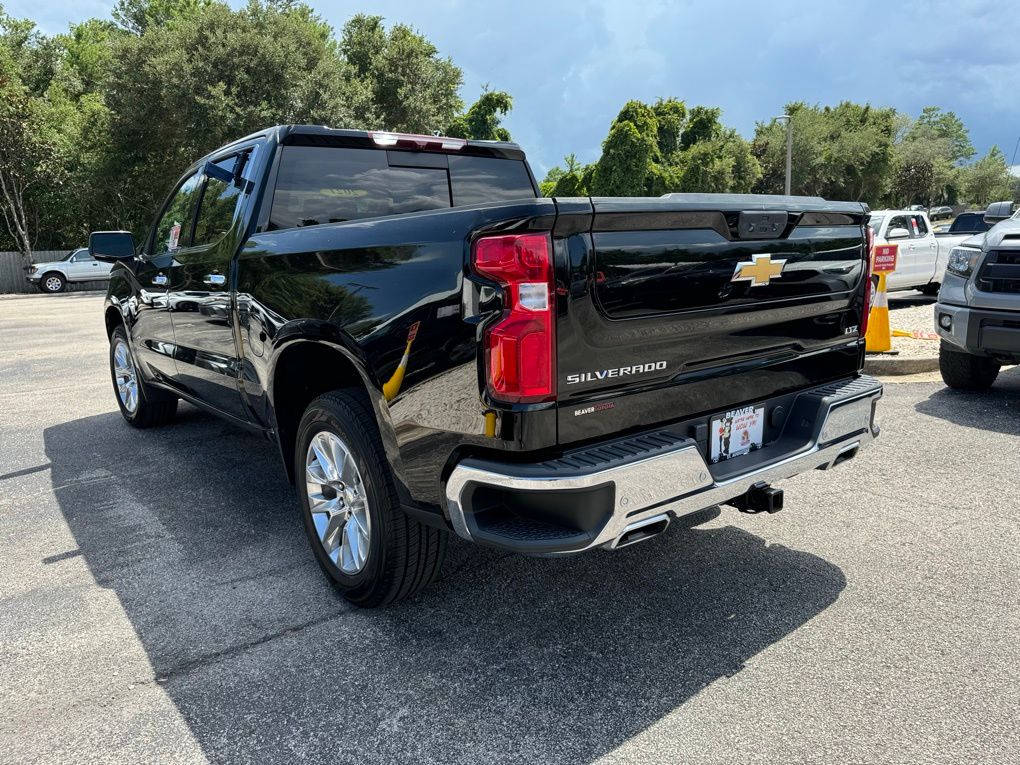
(922,256)
(76,266)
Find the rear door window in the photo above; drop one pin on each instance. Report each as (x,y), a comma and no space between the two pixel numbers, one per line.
(319,184)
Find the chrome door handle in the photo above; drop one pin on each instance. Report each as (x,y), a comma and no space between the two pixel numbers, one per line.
(159,279)
(216,280)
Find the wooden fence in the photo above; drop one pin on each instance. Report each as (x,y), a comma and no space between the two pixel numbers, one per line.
(13,273)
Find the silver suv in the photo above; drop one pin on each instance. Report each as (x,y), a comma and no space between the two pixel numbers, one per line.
(978,310)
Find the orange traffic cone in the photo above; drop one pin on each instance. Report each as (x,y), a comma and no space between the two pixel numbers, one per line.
(878,338)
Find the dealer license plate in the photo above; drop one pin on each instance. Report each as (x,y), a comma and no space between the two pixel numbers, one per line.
(737,432)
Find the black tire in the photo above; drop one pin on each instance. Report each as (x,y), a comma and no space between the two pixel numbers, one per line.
(152,407)
(52,282)
(931,289)
(965,371)
(404,555)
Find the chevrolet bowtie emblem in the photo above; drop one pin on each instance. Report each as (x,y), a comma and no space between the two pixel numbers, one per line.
(760,270)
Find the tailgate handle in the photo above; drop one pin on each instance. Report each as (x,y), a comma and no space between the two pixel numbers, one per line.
(762,224)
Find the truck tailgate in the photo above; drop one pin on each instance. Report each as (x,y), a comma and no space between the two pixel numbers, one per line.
(698,303)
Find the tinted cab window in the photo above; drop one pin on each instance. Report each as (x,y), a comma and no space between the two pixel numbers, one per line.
(476,180)
(330,185)
(918,228)
(174,227)
(219,204)
(969,223)
(325,184)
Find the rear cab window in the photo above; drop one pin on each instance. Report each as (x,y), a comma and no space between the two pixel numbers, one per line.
(329,184)
(969,223)
(918,227)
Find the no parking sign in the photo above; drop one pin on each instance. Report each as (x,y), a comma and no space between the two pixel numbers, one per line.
(883,261)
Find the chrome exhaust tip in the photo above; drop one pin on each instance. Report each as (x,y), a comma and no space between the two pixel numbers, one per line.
(639,531)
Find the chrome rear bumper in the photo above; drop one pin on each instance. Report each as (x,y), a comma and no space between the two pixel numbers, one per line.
(595,496)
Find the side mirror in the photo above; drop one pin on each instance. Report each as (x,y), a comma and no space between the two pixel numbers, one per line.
(897,233)
(111,246)
(998,211)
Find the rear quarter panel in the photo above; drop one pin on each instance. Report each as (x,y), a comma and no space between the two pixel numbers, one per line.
(388,291)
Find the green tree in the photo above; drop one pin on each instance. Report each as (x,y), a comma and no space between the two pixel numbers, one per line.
(625,162)
(572,182)
(654,150)
(702,125)
(169,106)
(481,121)
(987,180)
(841,152)
(927,158)
(671,116)
(27,167)
(945,127)
(410,87)
(102,119)
(136,16)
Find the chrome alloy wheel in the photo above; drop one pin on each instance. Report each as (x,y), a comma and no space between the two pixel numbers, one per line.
(52,284)
(125,376)
(338,502)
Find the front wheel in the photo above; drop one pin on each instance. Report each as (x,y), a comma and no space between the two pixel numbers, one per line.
(52,283)
(965,371)
(371,550)
(140,405)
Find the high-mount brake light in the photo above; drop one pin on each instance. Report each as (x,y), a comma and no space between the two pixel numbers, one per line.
(520,348)
(417,141)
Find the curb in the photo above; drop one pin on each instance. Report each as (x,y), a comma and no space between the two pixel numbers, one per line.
(896,365)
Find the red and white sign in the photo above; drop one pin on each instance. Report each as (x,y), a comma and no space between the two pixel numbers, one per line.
(883,259)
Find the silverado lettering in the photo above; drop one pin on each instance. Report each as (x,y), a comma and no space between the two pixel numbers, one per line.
(391,311)
(619,372)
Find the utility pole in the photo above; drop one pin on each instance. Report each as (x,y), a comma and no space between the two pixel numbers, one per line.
(789,149)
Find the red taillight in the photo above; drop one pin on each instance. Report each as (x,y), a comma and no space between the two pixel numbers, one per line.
(869,238)
(520,349)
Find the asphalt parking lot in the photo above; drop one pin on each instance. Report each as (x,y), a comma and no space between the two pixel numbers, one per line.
(158,602)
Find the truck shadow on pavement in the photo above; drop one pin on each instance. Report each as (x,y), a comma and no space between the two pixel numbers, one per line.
(506,658)
(996,409)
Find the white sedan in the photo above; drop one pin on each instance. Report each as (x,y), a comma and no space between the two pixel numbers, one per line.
(76,266)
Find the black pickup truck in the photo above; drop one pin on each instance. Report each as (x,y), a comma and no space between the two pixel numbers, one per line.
(434,347)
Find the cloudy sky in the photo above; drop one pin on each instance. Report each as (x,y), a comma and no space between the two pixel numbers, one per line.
(570,66)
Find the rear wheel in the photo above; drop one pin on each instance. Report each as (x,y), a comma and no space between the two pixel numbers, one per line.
(141,405)
(52,282)
(965,371)
(372,552)
(931,288)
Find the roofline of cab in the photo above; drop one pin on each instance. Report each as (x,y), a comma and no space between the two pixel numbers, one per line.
(287,134)
(284,134)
